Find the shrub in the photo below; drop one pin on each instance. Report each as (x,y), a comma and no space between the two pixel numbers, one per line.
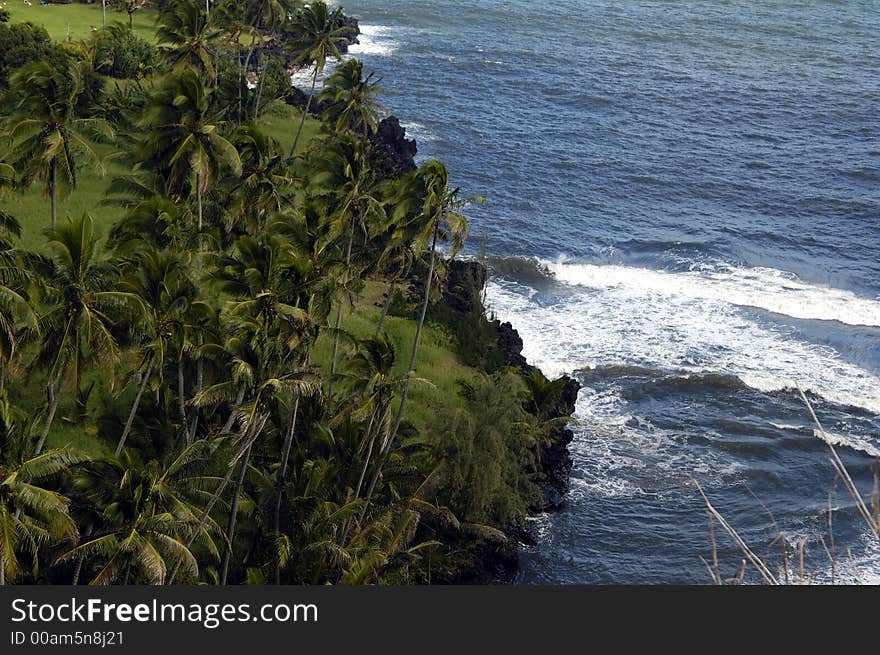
(487,453)
(121,53)
(20,44)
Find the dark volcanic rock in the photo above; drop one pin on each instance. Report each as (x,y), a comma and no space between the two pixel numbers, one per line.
(393,154)
(462,277)
(555,459)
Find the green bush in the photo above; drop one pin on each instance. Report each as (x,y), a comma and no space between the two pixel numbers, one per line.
(487,453)
(121,53)
(20,44)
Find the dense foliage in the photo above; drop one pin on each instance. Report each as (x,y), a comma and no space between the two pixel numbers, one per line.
(231,426)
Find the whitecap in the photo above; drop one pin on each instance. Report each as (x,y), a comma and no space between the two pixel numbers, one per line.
(374,40)
(633,317)
(419,132)
(776,291)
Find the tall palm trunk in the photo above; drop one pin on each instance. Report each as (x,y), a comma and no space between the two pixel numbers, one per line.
(228,425)
(200,214)
(198,387)
(52,397)
(279,493)
(53,191)
(339,316)
(386,447)
(385,307)
(191,435)
(233,513)
(134,406)
(247,62)
(103,13)
(76,571)
(181,392)
(305,113)
(215,497)
(259,94)
(53,391)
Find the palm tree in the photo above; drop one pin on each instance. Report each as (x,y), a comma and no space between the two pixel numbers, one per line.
(45,137)
(15,307)
(350,99)
(368,374)
(320,33)
(160,281)
(31,516)
(146,509)
(440,220)
(343,177)
(190,37)
(270,331)
(183,141)
(264,178)
(82,308)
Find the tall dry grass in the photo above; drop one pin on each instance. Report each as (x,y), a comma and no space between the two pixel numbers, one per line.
(869,511)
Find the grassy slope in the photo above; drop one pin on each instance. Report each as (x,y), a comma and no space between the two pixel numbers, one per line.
(78,18)
(436,360)
(31,208)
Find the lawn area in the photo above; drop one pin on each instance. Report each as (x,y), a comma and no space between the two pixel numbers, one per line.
(75,21)
(436,360)
(31,208)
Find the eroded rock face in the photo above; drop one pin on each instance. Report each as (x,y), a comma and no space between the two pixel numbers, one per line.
(393,154)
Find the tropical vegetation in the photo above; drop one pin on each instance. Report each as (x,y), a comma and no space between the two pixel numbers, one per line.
(234,366)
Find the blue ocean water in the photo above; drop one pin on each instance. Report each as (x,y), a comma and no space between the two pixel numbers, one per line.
(683,212)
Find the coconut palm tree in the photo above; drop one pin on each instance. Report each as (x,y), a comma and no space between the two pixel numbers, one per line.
(83,305)
(342,176)
(265,177)
(184,144)
(189,38)
(159,279)
(44,135)
(270,331)
(320,33)
(350,99)
(441,220)
(31,516)
(16,310)
(147,508)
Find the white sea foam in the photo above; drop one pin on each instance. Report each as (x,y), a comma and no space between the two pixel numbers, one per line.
(766,288)
(419,132)
(302,78)
(623,455)
(679,323)
(854,441)
(375,40)
(662,321)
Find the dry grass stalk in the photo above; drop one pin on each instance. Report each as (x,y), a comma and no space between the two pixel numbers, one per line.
(756,561)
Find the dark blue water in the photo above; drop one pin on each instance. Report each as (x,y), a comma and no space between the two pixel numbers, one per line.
(684,212)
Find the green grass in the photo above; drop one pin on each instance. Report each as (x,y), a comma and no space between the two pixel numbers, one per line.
(75,21)
(435,361)
(31,207)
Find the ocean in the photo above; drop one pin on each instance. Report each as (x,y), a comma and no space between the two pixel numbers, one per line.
(684,213)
